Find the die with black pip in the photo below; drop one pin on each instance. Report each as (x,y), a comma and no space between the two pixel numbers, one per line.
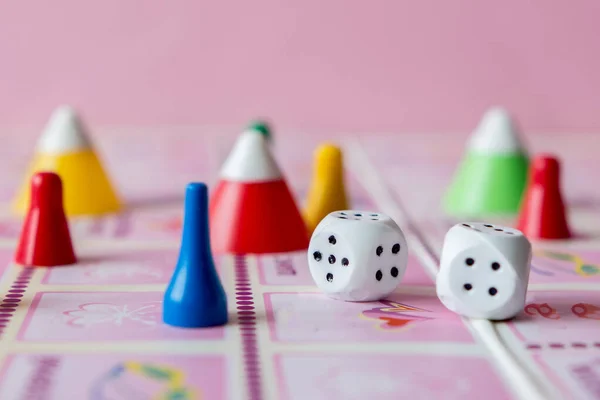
(484,271)
(357,255)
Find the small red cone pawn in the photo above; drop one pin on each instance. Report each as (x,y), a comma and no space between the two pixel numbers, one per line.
(542,214)
(45,239)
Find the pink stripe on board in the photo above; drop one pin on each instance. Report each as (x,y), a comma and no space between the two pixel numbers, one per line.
(562,346)
(10,303)
(247,323)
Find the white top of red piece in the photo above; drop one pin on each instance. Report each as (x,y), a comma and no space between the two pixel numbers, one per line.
(251,160)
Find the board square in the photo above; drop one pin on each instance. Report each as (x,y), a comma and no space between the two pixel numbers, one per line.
(113,376)
(574,372)
(110,268)
(572,266)
(357,376)
(108,316)
(153,224)
(148,224)
(403,317)
(559,320)
(120,268)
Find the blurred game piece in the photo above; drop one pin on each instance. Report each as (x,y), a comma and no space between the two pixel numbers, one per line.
(45,240)
(357,255)
(195,297)
(252,209)
(65,148)
(262,127)
(491,178)
(327,192)
(543,214)
(484,271)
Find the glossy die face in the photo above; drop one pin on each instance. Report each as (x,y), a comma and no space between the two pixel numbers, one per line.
(481,278)
(357,255)
(484,270)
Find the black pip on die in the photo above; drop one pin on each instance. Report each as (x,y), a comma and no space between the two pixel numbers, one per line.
(357,255)
(484,271)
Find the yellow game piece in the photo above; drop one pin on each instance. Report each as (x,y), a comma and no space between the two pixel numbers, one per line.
(65,149)
(327,192)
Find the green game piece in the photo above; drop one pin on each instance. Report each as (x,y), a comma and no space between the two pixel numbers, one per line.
(492,176)
(263,127)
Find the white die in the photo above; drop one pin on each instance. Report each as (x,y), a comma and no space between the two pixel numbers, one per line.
(484,271)
(357,255)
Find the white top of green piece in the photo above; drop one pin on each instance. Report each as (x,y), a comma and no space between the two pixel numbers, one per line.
(496,134)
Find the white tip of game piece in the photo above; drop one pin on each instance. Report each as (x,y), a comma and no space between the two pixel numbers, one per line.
(251,160)
(63,133)
(496,134)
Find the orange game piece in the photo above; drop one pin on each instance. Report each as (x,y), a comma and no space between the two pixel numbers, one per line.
(543,214)
(45,239)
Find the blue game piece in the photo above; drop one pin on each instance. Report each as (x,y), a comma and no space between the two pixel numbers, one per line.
(195,297)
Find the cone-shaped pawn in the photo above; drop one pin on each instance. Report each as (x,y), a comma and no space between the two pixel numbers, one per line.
(45,240)
(195,297)
(327,192)
(262,127)
(543,214)
(491,178)
(65,148)
(252,209)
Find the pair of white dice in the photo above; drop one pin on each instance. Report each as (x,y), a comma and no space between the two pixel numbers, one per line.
(362,256)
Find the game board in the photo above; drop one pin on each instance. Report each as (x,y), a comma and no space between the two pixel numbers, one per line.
(93,331)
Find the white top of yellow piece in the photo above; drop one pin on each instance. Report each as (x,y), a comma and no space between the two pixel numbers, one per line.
(63,133)
(496,134)
(251,160)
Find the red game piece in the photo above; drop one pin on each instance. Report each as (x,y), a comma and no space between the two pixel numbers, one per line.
(45,239)
(542,214)
(252,209)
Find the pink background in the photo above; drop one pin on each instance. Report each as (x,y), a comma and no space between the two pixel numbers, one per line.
(343,65)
